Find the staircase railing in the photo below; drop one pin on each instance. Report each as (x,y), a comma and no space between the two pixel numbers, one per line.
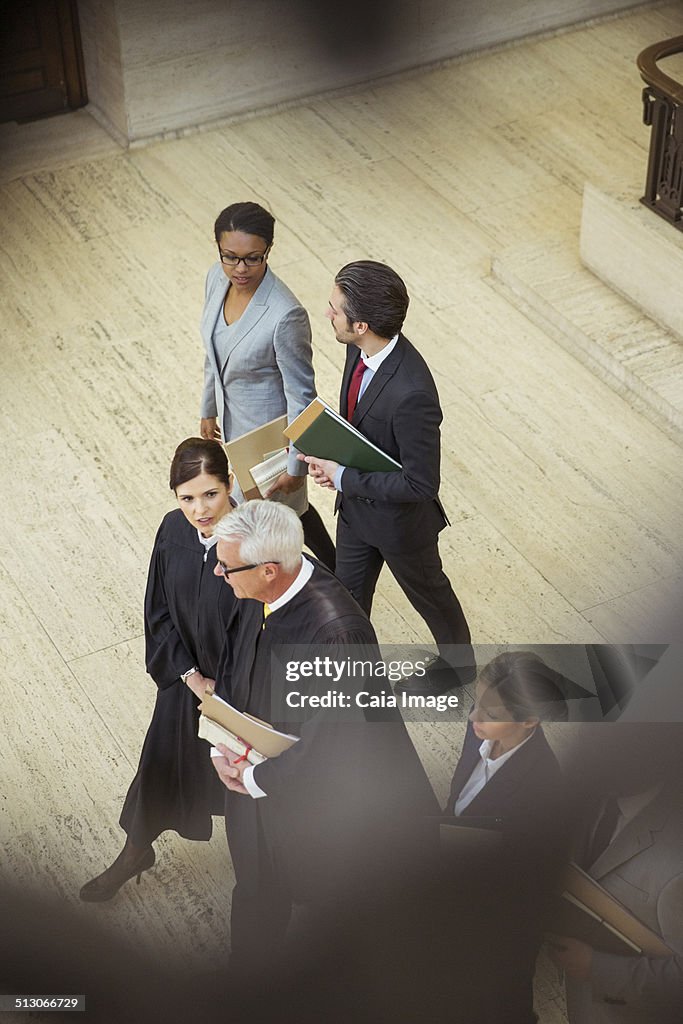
(663,112)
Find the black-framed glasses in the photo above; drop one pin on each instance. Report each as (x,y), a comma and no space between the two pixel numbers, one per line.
(227,571)
(249,261)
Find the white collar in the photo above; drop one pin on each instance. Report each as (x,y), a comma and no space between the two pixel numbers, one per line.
(493,765)
(374,362)
(304,575)
(208,542)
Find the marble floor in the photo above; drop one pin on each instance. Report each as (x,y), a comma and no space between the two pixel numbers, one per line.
(564,501)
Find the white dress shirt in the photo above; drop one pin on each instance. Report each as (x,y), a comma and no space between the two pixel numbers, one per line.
(484,771)
(372,365)
(207,542)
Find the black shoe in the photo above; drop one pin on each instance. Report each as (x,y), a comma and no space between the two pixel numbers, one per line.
(439,678)
(130,862)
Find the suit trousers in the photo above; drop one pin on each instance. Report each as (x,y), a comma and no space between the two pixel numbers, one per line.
(418,572)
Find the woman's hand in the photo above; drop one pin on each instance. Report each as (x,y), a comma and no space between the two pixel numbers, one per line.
(199,684)
(286,484)
(209,429)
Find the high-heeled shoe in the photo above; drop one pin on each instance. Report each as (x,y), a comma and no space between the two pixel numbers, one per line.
(130,862)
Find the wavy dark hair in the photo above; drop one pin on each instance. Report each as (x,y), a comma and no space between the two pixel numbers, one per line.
(373,294)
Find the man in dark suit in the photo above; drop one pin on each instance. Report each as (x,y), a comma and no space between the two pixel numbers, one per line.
(630,840)
(389,394)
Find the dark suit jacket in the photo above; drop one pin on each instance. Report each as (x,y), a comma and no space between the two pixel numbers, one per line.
(400,413)
(522,792)
(529,794)
(643,868)
(505,900)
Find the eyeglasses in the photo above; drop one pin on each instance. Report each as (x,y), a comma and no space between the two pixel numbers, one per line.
(249,261)
(227,571)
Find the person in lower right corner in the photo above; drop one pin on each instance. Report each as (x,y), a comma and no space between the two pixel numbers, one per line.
(630,841)
(507,778)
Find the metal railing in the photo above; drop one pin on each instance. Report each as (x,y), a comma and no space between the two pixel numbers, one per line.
(663,112)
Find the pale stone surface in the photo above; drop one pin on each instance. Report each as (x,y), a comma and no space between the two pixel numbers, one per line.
(101,33)
(565,502)
(213,59)
(641,360)
(652,614)
(51,142)
(636,253)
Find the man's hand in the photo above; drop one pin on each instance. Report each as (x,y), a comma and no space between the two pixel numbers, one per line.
(322,470)
(572,956)
(209,429)
(286,484)
(229,772)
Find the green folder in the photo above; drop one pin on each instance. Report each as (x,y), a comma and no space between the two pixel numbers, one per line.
(320,431)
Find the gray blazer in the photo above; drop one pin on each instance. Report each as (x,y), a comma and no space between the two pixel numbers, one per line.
(268,370)
(643,868)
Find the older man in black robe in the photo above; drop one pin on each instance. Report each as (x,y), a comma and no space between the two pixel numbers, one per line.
(332,825)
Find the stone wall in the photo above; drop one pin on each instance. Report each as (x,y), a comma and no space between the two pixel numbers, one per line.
(160,66)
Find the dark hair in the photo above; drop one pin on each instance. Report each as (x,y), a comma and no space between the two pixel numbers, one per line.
(525,686)
(373,294)
(250,218)
(197,455)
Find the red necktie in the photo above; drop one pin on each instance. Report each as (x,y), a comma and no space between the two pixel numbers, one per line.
(354,388)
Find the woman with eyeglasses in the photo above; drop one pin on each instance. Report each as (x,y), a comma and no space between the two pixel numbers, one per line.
(187,609)
(258,360)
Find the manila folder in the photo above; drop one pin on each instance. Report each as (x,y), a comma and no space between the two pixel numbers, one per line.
(248,450)
(254,733)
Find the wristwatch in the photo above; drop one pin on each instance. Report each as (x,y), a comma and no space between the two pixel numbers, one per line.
(186,675)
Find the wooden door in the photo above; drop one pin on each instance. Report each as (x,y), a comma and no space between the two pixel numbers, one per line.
(41,63)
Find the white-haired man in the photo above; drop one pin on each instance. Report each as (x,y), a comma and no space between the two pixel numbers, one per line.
(310,828)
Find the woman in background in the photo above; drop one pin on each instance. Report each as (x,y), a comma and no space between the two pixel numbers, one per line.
(187,609)
(258,361)
(506,769)
(507,774)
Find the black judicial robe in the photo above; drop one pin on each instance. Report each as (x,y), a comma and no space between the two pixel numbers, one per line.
(186,612)
(342,802)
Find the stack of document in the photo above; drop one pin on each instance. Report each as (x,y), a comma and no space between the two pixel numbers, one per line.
(588,912)
(245,735)
(321,431)
(251,448)
(266,473)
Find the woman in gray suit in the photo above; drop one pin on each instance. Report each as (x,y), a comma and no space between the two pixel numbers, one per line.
(258,360)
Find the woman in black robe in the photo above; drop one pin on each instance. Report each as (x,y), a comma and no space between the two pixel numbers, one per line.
(187,608)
